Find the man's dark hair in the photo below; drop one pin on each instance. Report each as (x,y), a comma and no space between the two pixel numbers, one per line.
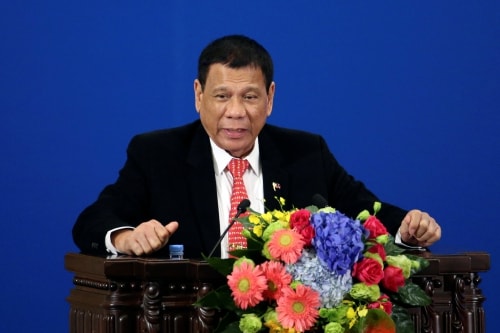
(235,51)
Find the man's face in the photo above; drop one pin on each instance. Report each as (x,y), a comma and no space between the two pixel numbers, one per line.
(234,106)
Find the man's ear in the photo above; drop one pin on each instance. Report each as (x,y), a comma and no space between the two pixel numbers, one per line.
(198,94)
(270,98)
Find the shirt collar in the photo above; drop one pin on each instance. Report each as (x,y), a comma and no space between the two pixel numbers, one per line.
(222,158)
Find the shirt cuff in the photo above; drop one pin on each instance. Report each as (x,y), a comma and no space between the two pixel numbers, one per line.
(107,240)
(398,241)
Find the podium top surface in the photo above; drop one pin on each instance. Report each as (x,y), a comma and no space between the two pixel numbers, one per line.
(153,267)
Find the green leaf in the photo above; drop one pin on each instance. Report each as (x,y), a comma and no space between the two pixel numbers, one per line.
(246,223)
(255,243)
(404,323)
(252,254)
(422,263)
(223,266)
(313,209)
(219,298)
(230,323)
(391,249)
(412,294)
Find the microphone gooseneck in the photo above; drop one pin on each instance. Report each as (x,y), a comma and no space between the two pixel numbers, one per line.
(242,207)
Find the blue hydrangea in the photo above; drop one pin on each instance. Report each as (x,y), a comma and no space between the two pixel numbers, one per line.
(338,240)
(310,271)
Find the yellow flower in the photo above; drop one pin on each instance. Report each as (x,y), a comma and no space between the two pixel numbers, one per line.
(268,217)
(257,230)
(280,216)
(351,314)
(254,219)
(354,314)
(362,311)
(353,322)
(275,327)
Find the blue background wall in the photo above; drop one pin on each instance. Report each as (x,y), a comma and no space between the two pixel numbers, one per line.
(406,94)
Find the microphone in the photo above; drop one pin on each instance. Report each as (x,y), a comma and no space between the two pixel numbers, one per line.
(242,207)
(319,201)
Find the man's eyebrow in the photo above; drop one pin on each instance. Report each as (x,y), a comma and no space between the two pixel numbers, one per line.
(221,88)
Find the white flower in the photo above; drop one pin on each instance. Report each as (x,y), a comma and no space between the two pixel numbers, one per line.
(310,271)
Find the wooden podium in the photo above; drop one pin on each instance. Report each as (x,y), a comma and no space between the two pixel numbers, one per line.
(150,295)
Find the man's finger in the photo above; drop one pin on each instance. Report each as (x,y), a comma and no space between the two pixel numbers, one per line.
(172,227)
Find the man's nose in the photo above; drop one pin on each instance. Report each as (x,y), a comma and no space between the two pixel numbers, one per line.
(235,108)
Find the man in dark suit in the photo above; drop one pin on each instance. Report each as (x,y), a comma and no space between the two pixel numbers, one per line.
(175,187)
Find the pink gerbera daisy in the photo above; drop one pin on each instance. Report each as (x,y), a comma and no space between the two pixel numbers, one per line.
(286,245)
(247,284)
(277,278)
(298,309)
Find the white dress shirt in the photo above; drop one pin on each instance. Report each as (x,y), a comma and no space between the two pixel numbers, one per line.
(224,180)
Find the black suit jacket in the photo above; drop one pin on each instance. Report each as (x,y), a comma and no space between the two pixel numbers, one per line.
(169,176)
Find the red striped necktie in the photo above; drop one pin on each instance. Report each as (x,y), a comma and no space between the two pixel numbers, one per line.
(237,168)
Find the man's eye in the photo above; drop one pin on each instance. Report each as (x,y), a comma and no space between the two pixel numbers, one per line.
(250,97)
(221,96)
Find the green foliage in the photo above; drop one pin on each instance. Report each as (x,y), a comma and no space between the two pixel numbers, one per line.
(402,319)
(219,299)
(223,266)
(391,249)
(411,294)
(419,264)
(253,250)
(228,324)
(313,209)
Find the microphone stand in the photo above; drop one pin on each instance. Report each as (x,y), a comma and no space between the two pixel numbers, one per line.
(242,207)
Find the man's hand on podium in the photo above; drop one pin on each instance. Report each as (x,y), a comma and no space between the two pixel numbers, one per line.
(147,238)
(419,229)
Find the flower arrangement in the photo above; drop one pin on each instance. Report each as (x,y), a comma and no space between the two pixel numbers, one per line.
(316,270)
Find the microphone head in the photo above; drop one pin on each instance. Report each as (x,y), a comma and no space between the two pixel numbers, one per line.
(319,201)
(243,206)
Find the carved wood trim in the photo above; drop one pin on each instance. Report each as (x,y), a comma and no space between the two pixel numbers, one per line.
(151,307)
(153,295)
(205,319)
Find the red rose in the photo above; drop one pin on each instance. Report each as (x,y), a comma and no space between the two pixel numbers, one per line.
(307,234)
(368,271)
(300,222)
(393,278)
(378,249)
(300,219)
(387,305)
(375,227)
(383,303)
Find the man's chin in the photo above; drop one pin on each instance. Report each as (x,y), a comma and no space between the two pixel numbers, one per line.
(238,152)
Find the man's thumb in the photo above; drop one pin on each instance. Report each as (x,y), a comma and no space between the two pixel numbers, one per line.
(172,227)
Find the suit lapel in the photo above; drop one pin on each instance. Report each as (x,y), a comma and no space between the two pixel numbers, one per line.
(202,189)
(275,176)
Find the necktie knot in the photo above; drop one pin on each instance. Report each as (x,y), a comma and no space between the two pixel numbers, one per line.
(237,167)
